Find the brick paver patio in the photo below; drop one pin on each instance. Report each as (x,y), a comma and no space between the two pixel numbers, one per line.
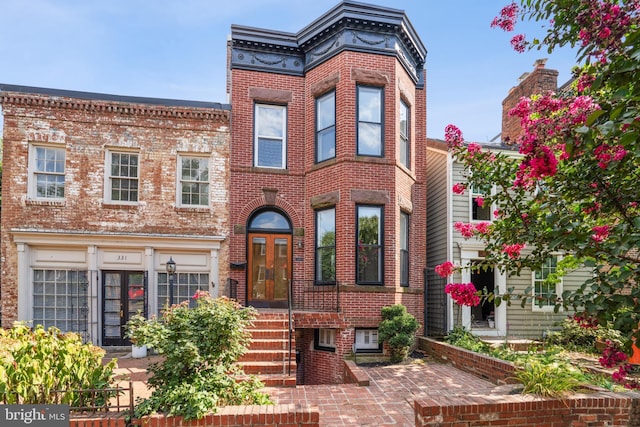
(387,401)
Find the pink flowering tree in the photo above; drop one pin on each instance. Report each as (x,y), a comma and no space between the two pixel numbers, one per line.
(575,186)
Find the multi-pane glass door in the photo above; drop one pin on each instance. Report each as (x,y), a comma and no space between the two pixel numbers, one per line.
(269,269)
(123,296)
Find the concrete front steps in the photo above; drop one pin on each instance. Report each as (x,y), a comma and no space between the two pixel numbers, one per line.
(269,354)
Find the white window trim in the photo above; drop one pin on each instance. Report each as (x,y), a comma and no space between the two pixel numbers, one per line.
(408,136)
(559,289)
(360,345)
(32,188)
(327,338)
(107,176)
(472,196)
(256,136)
(182,156)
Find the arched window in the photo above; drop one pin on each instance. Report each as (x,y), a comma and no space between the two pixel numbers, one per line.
(269,220)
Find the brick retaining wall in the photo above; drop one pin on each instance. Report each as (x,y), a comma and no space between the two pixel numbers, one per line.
(489,368)
(291,415)
(599,408)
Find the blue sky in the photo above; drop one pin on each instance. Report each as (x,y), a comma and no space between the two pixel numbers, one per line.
(177,49)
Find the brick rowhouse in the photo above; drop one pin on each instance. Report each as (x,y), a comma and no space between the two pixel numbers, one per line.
(351,46)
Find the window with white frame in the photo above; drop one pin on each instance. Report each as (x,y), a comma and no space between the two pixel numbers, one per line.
(270,146)
(405,141)
(367,341)
(369,247)
(60,299)
(546,286)
(370,119)
(326,126)
(185,286)
(122,177)
(480,210)
(46,167)
(404,249)
(325,339)
(326,246)
(194,181)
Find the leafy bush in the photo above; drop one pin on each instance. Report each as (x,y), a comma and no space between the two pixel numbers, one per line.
(36,362)
(549,379)
(200,345)
(576,335)
(462,338)
(397,329)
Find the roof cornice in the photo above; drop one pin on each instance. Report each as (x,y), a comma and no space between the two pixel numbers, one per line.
(105,103)
(348,26)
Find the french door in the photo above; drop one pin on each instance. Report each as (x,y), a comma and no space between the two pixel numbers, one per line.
(269,272)
(123,296)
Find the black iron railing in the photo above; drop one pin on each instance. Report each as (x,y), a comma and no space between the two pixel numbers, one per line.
(310,296)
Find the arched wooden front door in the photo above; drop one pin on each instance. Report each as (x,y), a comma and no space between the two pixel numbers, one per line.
(269,260)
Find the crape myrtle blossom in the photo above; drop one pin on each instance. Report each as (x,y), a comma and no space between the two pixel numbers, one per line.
(459,188)
(467,230)
(445,269)
(600,233)
(463,293)
(513,251)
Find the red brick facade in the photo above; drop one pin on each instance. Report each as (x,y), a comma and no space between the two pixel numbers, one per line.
(342,182)
(83,230)
(541,80)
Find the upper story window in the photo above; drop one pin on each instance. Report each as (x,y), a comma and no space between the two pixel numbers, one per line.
(270,145)
(480,210)
(46,172)
(547,288)
(122,178)
(404,249)
(194,181)
(326,127)
(370,118)
(405,141)
(326,246)
(369,245)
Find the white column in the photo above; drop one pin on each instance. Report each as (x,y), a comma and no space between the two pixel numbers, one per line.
(214,274)
(25,287)
(95,303)
(501,310)
(152,286)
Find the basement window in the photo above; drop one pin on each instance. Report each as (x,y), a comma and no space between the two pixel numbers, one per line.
(325,339)
(367,341)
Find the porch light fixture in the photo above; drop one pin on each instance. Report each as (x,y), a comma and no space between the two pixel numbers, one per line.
(171,269)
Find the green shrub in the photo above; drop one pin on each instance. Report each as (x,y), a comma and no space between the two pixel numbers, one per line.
(200,346)
(398,329)
(35,362)
(575,336)
(462,338)
(549,379)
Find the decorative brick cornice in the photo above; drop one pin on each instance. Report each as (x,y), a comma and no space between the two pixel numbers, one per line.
(98,106)
(348,26)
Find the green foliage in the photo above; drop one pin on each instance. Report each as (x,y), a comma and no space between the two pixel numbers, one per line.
(549,379)
(397,329)
(462,338)
(200,346)
(587,204)
(575,337)
(35,362)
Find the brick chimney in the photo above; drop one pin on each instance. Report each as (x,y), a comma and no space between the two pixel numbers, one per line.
(540,80)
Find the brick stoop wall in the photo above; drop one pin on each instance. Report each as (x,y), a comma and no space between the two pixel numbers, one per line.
(495,370)
(599,408)
(290,415)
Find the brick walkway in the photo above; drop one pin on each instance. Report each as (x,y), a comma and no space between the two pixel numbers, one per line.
(387,401)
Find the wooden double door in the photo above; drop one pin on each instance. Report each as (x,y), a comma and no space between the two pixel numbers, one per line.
(269,270)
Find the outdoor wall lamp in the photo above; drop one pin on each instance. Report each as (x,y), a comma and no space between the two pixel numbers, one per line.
(171,269)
